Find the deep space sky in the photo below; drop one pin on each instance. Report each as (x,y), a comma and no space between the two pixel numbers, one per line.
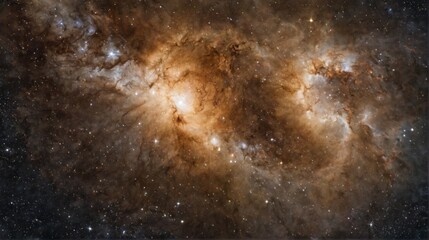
(213,119)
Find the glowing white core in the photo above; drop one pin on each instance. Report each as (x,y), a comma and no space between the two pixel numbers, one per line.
(214,141)
(183,101)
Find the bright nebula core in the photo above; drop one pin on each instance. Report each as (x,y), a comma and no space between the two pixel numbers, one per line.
(213,119)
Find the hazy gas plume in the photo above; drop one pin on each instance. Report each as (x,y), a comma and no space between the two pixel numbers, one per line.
(223,119)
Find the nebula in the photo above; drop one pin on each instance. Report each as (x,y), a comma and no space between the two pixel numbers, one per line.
(225,119)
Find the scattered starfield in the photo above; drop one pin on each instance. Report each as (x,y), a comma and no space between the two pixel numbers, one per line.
(213,119)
